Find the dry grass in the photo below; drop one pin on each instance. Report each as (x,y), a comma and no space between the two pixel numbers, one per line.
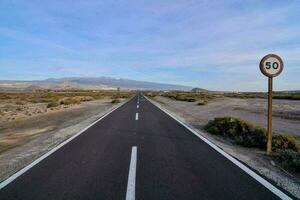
(115,101)
(17,105)
(49,96)
(31,107)
(201,98)
(205,97)
(276,95)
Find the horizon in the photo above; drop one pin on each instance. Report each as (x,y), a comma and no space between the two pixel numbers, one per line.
(190,43)
(31,80)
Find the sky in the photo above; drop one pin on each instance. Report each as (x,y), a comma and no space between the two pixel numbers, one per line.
(211,44)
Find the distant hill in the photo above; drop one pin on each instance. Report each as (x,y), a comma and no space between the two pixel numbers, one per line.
(198,90)
(290,91)
(32,87)
(88,83)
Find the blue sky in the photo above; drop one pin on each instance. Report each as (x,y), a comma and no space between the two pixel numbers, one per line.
(210,44)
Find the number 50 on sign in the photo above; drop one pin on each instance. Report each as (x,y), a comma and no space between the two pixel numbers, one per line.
(271,65)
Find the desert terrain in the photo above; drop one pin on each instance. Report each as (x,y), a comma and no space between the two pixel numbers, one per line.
(286,112)
(33,123)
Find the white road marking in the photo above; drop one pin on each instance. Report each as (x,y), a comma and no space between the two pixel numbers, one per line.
(137,106)
(136,116)
(246,169)
(130,193)
(28,167)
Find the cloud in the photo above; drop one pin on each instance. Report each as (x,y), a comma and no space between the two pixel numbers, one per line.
(33,39)
(173,41)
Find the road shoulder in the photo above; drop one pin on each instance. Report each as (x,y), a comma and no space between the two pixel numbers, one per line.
(17,158)
(254,159)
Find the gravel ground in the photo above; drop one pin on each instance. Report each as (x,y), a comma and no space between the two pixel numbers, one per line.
(286,112)
(252,110)
(39,134)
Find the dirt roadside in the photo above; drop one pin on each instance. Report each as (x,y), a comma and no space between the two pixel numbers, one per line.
(25,140)
(197,116)
(286,112)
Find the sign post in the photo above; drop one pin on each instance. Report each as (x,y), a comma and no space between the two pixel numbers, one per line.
(271,66)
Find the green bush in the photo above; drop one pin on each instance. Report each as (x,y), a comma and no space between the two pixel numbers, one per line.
(52,104)
(254,137)
(243,133)
(289,160)
(246,134)
(115,101)
(285,141)
(286,147)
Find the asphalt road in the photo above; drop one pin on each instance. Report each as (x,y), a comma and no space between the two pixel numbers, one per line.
(130,156)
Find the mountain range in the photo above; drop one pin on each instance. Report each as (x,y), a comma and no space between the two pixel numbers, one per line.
(87,83)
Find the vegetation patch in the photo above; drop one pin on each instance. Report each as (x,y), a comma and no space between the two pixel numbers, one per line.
(289,160)
(286,148)
(243,133)
(284,142)
(52,104)
(152,94)
(115,101)
(72,96)
(276,95)
(75,100)
(201,97)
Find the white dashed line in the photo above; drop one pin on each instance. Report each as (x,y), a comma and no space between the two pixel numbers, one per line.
(130,194)
(136,116)
(137,106)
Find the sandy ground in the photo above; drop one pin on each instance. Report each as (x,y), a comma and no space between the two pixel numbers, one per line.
(286,112)
(253,110)
(24,140)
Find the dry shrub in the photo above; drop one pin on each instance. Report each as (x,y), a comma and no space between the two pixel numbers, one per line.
(285,141)
(115,101)
(246,134)
(52,104)
(289,159)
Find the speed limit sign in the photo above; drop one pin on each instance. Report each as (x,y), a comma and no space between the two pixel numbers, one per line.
(271,65)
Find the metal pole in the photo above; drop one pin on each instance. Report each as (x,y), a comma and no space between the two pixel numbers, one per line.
(269,137)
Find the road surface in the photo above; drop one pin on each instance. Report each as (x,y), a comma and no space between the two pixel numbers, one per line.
(136,152)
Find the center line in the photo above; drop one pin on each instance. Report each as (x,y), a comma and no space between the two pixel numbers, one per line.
(137,106)
(136,116)
(130,194)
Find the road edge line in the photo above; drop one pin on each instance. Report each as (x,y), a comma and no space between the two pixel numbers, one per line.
(42,157)
(246,169)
